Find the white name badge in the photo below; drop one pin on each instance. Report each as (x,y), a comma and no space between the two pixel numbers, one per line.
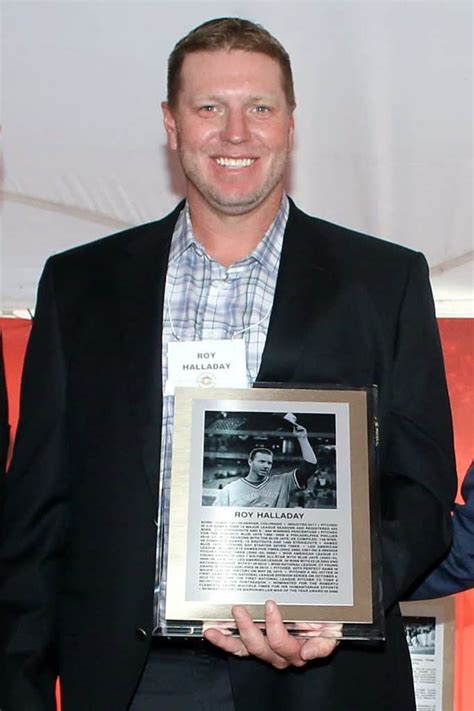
(206,364)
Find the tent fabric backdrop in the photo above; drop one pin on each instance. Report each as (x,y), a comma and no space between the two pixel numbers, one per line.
(457,337)
(383,124)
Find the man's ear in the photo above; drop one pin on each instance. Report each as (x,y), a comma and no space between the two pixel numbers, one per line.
(291,132)
(169,123)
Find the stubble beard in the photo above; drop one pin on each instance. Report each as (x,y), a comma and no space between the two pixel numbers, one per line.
(226,203)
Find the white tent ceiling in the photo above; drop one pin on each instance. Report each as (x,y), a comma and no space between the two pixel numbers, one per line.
(384,124)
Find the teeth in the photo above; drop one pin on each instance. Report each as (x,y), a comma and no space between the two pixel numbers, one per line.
(235,162)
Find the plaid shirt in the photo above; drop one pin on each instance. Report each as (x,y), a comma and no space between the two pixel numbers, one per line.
(205,300)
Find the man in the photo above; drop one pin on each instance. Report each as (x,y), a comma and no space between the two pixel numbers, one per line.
(80,503)
(259,488)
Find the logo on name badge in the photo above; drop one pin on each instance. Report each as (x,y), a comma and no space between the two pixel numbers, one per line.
(206,380)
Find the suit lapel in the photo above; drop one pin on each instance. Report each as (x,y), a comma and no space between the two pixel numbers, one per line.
(141,276)
(306,284)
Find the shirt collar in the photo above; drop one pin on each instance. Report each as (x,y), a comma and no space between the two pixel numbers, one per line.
(266,253)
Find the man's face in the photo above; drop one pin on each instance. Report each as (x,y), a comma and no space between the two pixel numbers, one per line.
(232,128)
(261,464)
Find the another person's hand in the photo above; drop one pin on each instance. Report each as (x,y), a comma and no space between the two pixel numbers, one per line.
(276,646)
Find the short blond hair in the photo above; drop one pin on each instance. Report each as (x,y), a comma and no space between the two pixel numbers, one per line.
(229,33)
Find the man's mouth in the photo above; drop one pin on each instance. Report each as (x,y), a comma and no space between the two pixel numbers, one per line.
(234,162)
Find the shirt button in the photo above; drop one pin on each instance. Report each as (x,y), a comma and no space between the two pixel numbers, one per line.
(220,284)
(141,633)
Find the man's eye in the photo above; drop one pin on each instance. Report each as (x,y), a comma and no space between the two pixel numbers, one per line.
(261,109)
(207,108)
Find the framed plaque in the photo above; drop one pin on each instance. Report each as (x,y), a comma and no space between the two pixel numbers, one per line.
(272,497)
(429,629)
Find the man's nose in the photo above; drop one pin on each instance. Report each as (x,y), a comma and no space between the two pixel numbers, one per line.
(235,128)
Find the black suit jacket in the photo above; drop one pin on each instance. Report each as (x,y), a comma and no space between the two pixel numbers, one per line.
(78,557)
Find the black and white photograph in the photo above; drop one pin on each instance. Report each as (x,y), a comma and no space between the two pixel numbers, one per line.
(420,634)
(269,460)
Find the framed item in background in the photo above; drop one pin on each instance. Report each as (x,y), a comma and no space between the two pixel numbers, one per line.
(429,629)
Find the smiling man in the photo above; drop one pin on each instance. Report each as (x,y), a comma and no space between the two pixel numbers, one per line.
(82,576)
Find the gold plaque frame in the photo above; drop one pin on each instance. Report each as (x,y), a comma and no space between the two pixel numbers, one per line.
(363,610)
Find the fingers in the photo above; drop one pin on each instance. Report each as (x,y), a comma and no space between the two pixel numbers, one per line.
(279,640)
(251,640)
(229,644)
(323,643)
(332,630)
(317,648)
(306,629)
(276,646)
(225,627)
(255,641)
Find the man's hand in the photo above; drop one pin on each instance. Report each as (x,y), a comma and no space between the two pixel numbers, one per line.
(307,452)
(300,431)
(277,646)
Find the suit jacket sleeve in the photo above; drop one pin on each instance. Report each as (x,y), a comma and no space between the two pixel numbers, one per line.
(33,520)
(418,472)
(456,572)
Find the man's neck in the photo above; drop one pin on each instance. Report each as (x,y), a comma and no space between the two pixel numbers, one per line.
(255,478)
(228,238)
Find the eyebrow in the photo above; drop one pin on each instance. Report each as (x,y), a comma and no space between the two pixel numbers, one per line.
(220,98)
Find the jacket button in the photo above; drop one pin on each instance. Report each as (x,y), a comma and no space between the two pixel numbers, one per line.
(141,633)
